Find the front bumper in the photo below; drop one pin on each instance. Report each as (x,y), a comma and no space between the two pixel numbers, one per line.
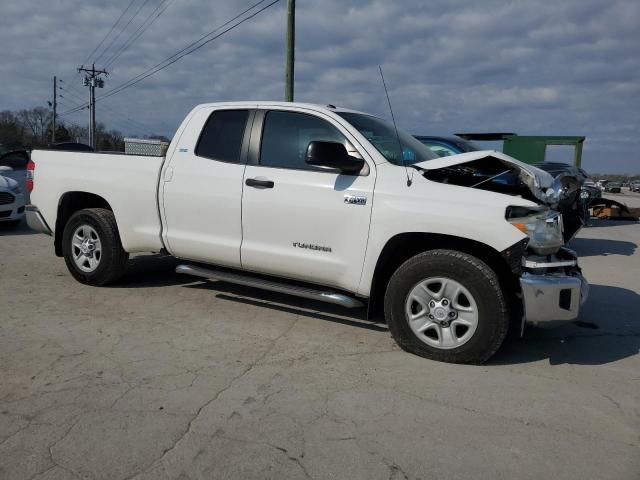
(11,212)
(553,289)
(36,221)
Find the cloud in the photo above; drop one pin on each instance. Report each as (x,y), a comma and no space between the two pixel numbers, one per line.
(533,67)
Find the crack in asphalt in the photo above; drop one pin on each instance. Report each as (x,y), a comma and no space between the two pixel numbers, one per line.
(295,460)
(478,412)
(247,370)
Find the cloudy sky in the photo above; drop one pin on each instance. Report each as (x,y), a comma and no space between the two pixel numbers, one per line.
(569,67)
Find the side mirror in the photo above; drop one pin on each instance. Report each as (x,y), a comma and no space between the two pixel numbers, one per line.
(333,155)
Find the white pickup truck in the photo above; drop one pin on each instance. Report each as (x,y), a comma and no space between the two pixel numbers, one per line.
(328,204)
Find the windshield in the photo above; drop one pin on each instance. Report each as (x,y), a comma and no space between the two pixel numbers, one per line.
(382,135)
(467,146)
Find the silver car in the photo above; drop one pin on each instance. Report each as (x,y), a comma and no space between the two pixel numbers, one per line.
(11,199)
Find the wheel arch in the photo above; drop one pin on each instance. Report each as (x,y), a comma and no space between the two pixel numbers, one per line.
(403,246)
(70,203)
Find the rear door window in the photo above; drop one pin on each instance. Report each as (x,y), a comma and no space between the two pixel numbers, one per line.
(221,137)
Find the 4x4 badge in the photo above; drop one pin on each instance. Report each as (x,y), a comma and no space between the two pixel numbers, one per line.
(355,200)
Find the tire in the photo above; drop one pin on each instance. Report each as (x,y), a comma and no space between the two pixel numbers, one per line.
(98,227)
(469,337)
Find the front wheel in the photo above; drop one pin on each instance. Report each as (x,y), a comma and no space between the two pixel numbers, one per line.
(447,306)
(92,248)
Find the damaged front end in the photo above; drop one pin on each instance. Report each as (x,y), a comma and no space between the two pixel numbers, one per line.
(499,173)
(552,288)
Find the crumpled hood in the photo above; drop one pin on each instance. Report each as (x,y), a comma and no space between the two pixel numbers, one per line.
(542,185)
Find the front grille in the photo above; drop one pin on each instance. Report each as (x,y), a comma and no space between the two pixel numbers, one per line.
(6,198)
(5,214)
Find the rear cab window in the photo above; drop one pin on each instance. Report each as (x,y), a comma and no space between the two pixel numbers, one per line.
(222,135)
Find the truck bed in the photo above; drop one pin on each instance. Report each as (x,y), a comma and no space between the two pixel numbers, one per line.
(129,183)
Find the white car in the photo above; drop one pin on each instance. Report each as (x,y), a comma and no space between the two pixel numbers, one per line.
(11,199)
(328,204)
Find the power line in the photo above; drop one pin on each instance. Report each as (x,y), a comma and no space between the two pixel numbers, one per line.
(110,30)
(121,123)
(189,49)
(75,90)
(121,30)
(72,93)
(124,122)
(71,86)
(136,124)
(171,58)
(74,110)
(68,103)
(192,47)
(139,31)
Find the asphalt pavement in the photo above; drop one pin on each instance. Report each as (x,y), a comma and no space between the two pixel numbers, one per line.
(166,376)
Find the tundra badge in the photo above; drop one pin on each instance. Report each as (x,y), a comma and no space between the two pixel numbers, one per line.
(355,200)
(310,246)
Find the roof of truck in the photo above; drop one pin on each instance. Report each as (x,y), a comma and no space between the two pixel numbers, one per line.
(277,104)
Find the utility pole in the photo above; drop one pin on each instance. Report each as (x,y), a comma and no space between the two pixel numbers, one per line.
(92,80)
(291,41)
(55,106)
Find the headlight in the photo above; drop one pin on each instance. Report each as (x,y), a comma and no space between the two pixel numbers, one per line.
(544,230)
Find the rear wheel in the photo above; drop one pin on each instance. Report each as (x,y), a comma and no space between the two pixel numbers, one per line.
(92,248)
(447,306)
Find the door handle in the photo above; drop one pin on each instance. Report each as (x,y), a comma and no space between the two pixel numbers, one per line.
(257,183)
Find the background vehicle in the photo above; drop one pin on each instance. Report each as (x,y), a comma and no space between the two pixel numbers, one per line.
(11,199)
(635,187)
(15,167)
(280,196)
(613,187)
(590,190)
(446,146)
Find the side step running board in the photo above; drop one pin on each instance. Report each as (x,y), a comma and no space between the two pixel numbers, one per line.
(250,281)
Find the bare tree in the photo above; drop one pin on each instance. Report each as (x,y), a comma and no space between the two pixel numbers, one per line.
(37,122)
(32,128)
(11,129)
(77,133)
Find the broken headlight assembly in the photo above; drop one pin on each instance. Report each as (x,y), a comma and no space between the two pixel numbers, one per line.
(543,227)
